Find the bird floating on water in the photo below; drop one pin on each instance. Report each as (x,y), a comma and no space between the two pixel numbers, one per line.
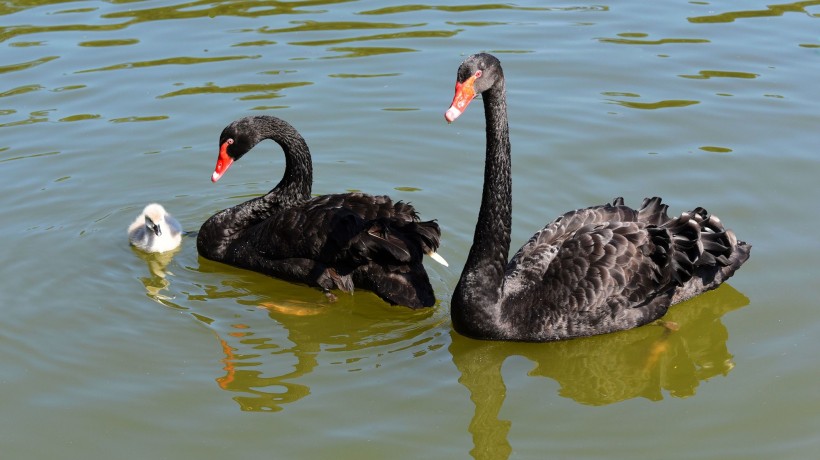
(155,230)
(591,271)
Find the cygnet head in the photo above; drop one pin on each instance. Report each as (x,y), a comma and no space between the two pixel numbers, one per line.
(154,230)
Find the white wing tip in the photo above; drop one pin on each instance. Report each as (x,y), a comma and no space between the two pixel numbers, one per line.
(435,256)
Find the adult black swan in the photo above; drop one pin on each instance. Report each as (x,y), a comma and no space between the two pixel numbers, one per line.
(337,241)
(591,271)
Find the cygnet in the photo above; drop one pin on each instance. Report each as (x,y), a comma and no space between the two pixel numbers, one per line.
(155,230)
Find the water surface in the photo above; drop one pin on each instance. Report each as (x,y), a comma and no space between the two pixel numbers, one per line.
(109,353)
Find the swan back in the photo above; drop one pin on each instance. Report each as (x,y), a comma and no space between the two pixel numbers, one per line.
(155,230)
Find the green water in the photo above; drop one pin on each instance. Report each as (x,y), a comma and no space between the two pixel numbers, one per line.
(107,106)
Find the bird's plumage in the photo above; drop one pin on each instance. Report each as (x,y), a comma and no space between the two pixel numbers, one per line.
(155,230)
(591,271)
(339,241)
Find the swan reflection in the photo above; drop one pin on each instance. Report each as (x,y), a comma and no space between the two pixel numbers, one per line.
(640,363)
(265,365)
(157,281)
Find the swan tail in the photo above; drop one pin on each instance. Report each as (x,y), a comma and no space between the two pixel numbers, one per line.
(381,242)
(698,250)
(426,234)
(653,211)
(403,241)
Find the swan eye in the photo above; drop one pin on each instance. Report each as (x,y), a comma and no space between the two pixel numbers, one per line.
(477,73)
(229,141)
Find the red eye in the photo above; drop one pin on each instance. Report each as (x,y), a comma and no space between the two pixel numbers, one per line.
(477,73)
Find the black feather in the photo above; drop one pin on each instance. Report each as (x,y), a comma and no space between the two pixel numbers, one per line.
(341,241)
(591,271)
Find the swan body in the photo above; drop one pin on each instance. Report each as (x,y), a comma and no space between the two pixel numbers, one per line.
(338,241)
(155,230)
(591,271)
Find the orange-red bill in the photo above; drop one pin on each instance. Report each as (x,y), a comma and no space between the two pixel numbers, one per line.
(223,162)
(465,92)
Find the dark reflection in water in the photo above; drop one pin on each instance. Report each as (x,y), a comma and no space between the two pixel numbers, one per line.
(640,363)
(265,368)
(258,392)
(157,281)
(264,361)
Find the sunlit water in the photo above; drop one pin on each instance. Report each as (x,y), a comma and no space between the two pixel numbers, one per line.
(109,353)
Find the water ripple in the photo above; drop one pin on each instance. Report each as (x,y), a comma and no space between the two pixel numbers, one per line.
(138,119)
(419,34)
(182,60)
(665,104)
(366,51)
(316,26)
(105,43)
(26,65)
(264,91)
(209,9)
(632,38)
(21,90)
(475,7)
(707,74)
(287,332)
(770,11)
(23,157)
(8,33)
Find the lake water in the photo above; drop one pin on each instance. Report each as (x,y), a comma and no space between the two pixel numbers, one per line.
(107,106)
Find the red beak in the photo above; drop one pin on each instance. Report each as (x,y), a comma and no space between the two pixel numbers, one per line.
(465,92)
(222,163)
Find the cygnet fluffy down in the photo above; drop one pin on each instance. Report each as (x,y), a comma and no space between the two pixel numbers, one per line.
(155,230)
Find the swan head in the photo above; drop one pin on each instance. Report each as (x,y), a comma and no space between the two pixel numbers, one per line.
(152,227)
(235,141)
(154,215)
(476,74)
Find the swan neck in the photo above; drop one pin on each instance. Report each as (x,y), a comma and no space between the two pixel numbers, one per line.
(297,179)
(219,231)
(481,283)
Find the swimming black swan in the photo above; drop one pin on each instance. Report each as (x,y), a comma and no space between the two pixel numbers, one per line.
(591,271)
(154,230)
(333,241)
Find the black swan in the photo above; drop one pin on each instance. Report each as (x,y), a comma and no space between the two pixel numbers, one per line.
(591,271)
(154,230)
(337,241)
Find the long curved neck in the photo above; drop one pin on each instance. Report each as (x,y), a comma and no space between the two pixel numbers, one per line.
(479,290)
(297,180)
(224,227)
